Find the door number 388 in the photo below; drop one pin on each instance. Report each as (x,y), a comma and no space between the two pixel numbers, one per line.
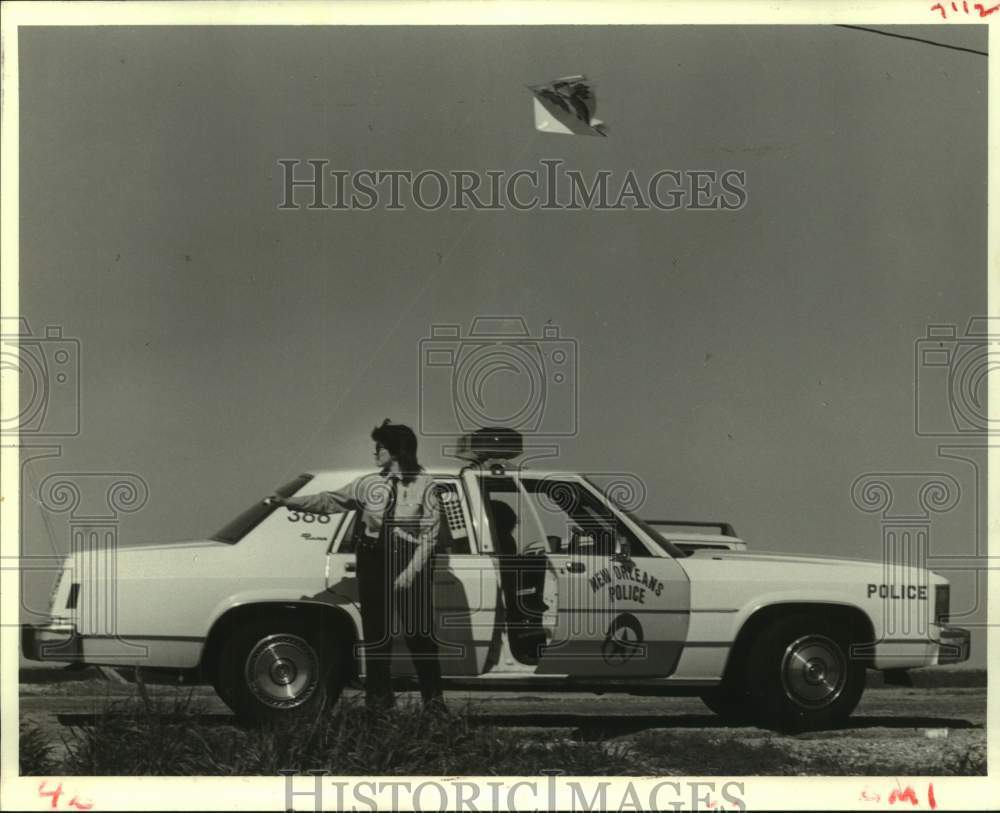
(295,516)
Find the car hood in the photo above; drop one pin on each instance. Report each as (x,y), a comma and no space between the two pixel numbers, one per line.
(777,556)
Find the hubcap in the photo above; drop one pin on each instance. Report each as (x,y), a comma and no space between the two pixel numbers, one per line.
(282,671)
(813,671)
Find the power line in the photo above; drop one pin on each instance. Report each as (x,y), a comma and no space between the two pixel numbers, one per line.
(915,39)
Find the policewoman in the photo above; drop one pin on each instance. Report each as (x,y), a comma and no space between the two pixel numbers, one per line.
(400,518)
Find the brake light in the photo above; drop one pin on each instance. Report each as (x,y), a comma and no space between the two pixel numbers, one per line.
(942,603)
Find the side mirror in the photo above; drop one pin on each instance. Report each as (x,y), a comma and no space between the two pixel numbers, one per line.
(623,549)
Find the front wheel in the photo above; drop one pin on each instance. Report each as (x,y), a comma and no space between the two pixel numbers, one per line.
(275,671)
(802,675)
(732,705)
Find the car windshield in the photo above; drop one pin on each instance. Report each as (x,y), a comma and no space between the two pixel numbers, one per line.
(234,531)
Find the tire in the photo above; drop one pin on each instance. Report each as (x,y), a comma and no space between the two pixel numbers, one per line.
(731,704)
(272,671)
(801,675)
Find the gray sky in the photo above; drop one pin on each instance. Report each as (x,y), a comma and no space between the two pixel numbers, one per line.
(747,365)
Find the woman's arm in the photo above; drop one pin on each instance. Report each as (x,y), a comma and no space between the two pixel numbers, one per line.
(324,502)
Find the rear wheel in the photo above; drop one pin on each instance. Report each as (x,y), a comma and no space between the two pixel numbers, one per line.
(801,675)
(272,671)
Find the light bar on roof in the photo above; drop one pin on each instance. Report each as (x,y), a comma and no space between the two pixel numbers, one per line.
(490,443)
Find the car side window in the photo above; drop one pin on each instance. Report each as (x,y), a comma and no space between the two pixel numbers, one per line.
(575,521)
(514,523)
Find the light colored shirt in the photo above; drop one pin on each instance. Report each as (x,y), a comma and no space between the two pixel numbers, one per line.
(417,512)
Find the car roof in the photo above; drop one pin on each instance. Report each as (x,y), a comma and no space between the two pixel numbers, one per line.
(454,470)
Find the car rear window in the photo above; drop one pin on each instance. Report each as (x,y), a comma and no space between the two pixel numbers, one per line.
(235,530)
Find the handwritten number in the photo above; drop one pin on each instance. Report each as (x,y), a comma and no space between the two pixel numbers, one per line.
(979,7)
(55,794)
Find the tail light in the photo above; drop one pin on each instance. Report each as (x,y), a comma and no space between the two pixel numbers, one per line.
(942,603)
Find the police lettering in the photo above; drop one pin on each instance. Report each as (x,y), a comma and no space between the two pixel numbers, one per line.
(900,591)
(627,592)
(638,576)
(640,583)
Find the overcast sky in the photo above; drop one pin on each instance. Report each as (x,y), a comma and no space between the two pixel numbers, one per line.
(748,365)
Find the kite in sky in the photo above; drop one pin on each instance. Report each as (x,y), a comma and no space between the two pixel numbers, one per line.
(567,106)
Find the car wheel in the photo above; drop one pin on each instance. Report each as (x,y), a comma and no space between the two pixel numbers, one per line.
(275,671)
(802,676)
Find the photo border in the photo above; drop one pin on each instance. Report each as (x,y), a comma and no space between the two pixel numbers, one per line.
(802,793)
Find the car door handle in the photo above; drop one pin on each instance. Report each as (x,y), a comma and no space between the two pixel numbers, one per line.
(575,567)
(351,567)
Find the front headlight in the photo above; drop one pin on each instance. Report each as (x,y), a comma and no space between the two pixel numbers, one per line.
(942,604)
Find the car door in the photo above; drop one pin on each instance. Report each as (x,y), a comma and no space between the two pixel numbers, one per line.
(465,588)
(622,605)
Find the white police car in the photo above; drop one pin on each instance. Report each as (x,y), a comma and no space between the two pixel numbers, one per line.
(541,582)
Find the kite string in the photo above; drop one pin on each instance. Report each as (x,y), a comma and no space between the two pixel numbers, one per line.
(914,39)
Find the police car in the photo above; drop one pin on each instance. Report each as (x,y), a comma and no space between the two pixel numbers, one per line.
(541,582)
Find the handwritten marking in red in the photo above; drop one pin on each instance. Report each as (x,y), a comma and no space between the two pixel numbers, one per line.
(905,795)
(979,7)
(76,801)
(55,794)
(930,796)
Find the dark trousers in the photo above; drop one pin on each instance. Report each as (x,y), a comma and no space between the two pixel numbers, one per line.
(385,611)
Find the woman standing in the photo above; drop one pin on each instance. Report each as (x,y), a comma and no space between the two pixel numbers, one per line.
(400,518)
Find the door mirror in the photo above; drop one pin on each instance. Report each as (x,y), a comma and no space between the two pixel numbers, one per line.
(623,549)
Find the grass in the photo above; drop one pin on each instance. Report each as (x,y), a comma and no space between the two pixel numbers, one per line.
(167,736)
(706,753)
(172,734)
(35,753)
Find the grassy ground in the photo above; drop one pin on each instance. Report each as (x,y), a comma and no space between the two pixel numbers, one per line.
(164,736)
(170,733)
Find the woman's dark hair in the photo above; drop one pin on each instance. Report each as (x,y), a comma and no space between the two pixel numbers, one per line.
(400,442)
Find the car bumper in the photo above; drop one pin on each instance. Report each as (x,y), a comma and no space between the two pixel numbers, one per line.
(56,641)
(954,645)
